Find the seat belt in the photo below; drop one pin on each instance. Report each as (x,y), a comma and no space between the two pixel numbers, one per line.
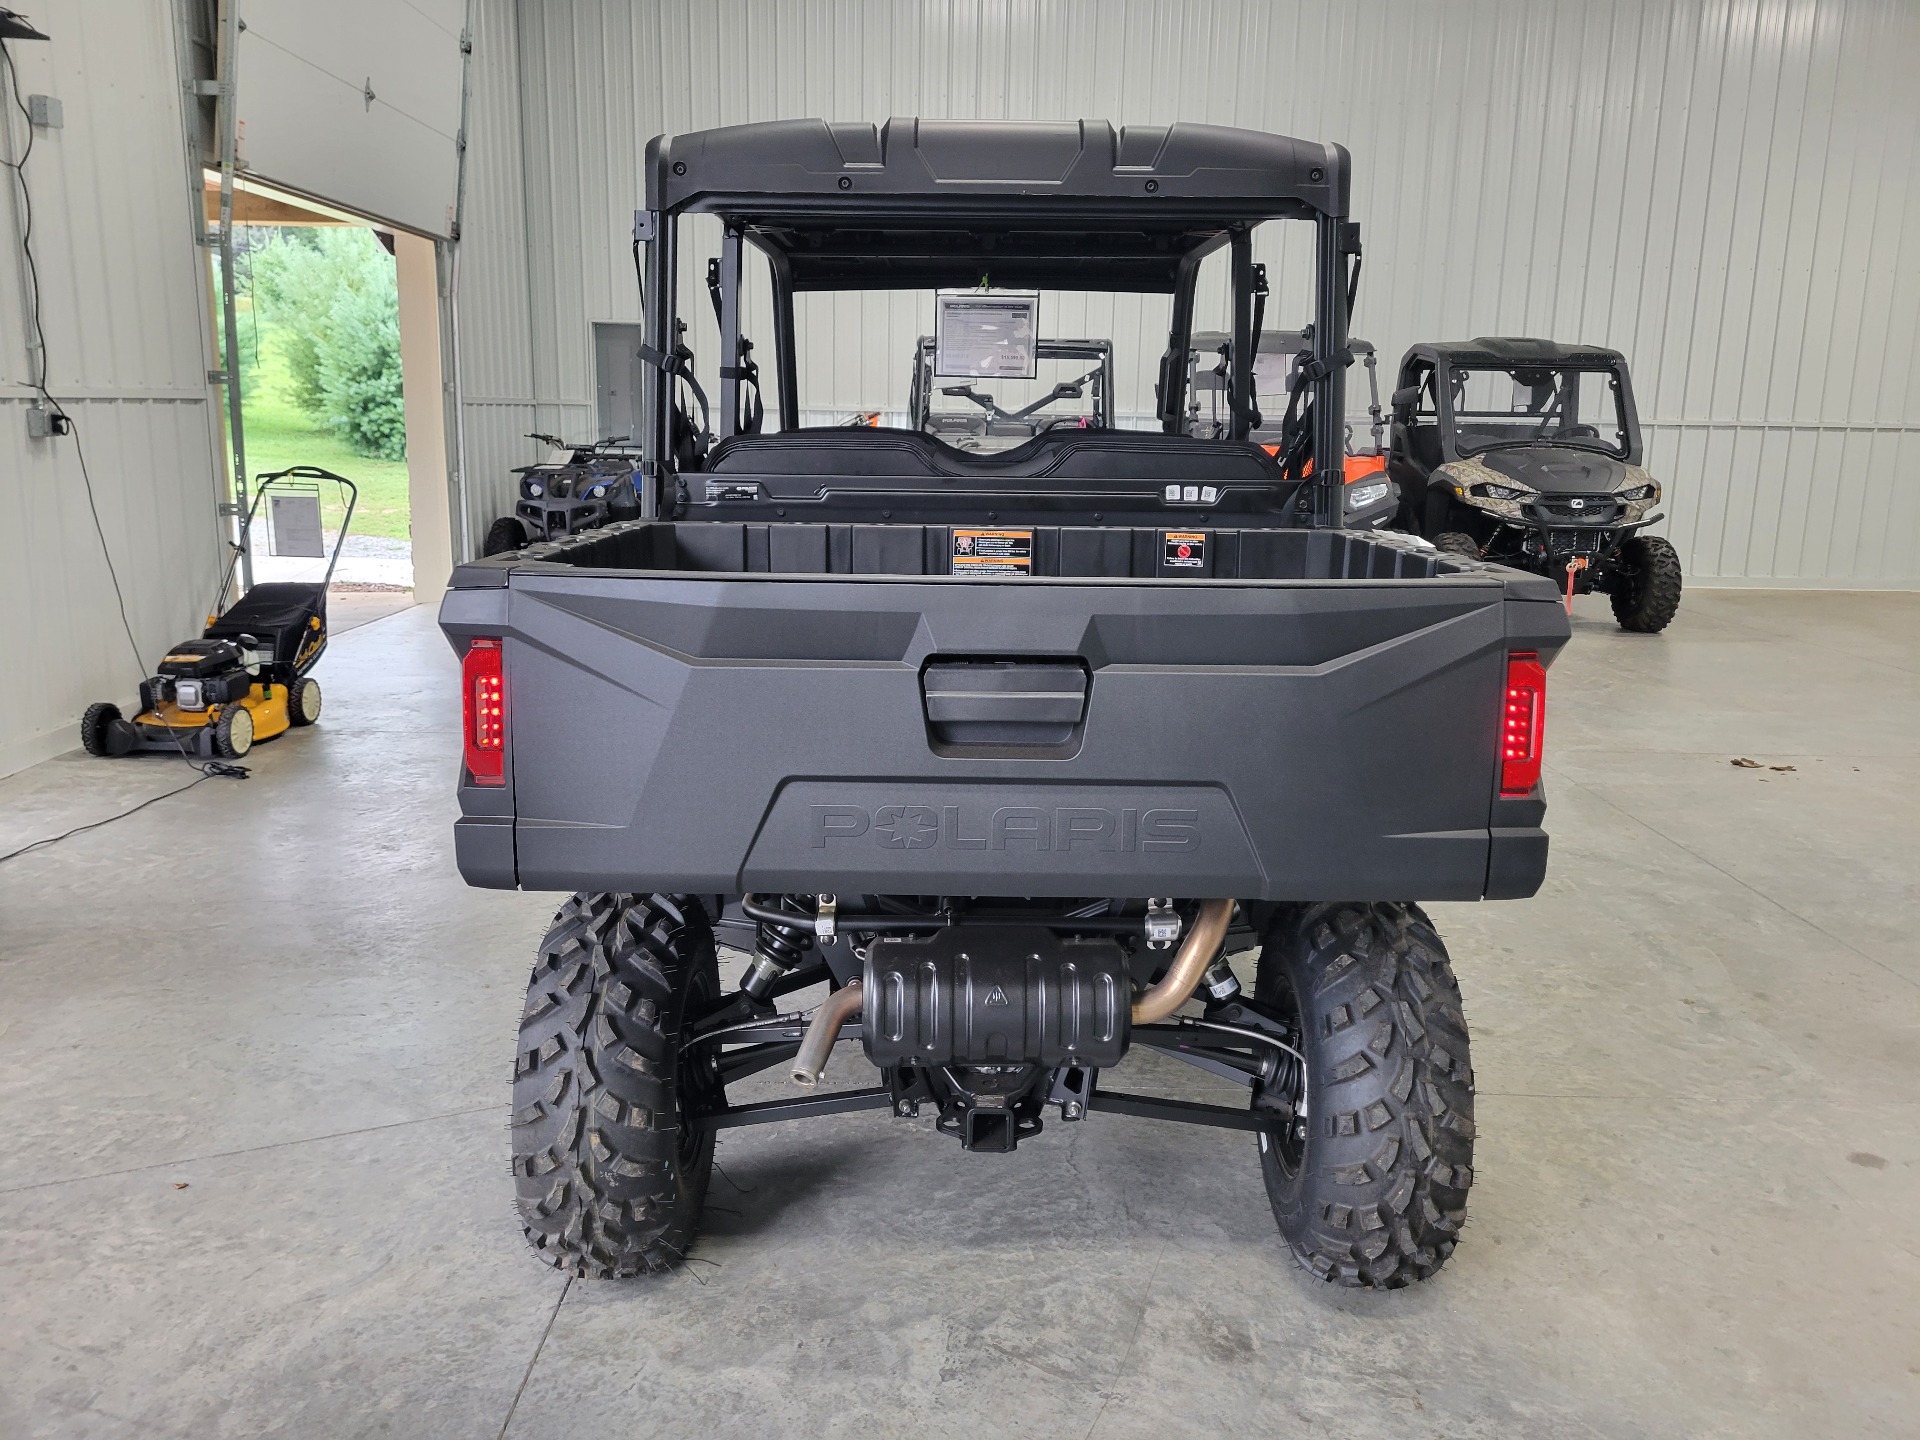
(747,370)
(678,365)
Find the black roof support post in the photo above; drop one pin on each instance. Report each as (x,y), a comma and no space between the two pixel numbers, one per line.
(1330,390)
(656,386)
(1171,389)
(1240,395)
(786,360)
(730,331)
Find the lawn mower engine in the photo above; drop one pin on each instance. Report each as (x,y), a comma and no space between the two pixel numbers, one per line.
(197,674)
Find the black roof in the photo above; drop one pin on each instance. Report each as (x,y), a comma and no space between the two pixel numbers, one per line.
(1509,350)
(915,203)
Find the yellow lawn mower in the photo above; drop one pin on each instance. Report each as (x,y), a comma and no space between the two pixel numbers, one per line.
(245,679)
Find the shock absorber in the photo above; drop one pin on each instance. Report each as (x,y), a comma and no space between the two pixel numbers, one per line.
(1220,982)
(776,950)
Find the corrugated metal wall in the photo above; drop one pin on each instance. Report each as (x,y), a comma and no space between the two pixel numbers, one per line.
(1723,189)
(124,308)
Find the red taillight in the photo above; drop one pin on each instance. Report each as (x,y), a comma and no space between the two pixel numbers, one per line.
(1522,719)
(484,706)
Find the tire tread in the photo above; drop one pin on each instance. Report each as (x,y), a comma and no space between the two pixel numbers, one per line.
(596,1110)
(1649,600)
(1382,1194)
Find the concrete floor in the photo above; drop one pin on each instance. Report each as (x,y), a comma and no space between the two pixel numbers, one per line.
(254,1050)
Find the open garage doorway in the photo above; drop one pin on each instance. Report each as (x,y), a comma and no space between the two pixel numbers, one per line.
(338,362)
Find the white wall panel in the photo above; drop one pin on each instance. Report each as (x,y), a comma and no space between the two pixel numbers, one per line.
(496,347)
(305,71)
(1724,189)
(124,308)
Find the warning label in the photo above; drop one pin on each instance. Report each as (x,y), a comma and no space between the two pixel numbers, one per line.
(993,552)
(1186,550)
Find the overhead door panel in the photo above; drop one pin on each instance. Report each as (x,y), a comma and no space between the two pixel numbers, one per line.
(356,102)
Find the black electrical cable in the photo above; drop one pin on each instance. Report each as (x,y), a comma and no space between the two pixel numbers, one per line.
(96,824)
(59,412)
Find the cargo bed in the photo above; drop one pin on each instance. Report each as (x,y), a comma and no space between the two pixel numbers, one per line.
(723,707)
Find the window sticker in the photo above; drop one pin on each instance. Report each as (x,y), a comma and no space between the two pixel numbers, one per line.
(987,333)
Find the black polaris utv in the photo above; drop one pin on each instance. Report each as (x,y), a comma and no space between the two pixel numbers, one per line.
(1003,753)
(1527,452)
(576,488)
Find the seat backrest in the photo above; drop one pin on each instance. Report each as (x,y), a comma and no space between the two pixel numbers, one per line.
(1056,455)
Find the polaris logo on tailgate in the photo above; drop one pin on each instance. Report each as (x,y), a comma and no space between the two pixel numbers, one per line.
(1007,827)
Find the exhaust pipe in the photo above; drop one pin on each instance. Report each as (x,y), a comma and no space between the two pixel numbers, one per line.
(823,1030)
(1183,976)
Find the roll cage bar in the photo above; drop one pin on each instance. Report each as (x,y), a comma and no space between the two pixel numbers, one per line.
(951,203)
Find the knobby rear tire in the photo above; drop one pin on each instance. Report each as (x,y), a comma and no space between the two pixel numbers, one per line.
(610,1179)
(1372,1191)
(1453,542)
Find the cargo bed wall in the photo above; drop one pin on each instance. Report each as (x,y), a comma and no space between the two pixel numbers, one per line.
(1251,740)
(1186,550)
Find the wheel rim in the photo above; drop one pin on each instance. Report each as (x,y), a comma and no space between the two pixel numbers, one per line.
(240,732)
(310,700)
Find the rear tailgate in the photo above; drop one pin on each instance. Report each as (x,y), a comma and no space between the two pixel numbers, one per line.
(1293,739)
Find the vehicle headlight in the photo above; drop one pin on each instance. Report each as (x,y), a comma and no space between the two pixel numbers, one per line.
(598,492)
(1361,496)
(1502,492)
(1649,491)
(535,489)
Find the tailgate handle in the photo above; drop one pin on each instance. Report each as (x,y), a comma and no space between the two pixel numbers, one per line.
(1005,701)
(1005,693)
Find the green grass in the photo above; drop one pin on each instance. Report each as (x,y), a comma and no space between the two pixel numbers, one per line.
(280,434)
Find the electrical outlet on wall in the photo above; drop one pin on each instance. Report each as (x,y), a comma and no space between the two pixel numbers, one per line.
(44,424)
(45,111)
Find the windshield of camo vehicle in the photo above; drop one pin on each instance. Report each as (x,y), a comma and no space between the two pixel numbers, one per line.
(1538,405)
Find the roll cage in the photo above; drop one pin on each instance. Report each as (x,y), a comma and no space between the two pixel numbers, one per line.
(935,204)
(1429,372)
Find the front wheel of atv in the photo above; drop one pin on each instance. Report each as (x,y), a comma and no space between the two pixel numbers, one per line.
(504,536)
(1455,543)
(610,1174)
(94,726)
(1369,1183)
(1646,584)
